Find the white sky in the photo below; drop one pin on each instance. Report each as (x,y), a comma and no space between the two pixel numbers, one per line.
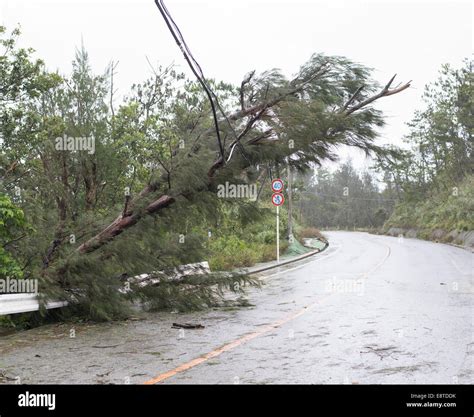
(228,38)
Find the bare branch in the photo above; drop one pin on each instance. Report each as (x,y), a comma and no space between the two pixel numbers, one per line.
(245,81)
(270,103)
(132,215)
(353,97)
(383,93)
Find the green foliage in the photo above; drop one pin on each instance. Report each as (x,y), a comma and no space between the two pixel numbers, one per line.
(246,235)
(12,222)
(232,252)
(344,199)
(197,292)
(159,142)
(20,76)
(434,180)
(447,210)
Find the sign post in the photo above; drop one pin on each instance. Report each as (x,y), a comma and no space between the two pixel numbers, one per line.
(278,234)
(277,200)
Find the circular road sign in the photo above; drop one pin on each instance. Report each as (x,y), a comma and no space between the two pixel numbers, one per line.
(277,185)
(278,199)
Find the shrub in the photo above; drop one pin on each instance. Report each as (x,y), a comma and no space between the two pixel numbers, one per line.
(311,232)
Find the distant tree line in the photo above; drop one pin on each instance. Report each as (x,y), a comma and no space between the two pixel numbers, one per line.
(434,177)
(344,199)
(426,184)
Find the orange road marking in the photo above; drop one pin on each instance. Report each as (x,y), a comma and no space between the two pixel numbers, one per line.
(231,345)
(249,336)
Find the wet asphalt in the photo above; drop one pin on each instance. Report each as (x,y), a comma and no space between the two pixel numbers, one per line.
(368,310)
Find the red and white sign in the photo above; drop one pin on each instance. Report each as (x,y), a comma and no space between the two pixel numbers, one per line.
(278,199)
(277,185)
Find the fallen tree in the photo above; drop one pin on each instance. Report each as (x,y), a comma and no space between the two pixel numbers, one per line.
(157,164)
(261,112)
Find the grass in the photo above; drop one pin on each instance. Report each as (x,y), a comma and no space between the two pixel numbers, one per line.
(247,254)
(449,210)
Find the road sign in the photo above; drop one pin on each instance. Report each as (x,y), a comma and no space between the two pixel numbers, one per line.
(277,185)
(278,199)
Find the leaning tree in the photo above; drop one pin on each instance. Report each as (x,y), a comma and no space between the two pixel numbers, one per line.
(159,158)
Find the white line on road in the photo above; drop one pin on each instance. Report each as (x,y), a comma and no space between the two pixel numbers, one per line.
(305,264)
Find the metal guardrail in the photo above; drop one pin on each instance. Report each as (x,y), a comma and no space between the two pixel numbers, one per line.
(143,280)
(28,302)
(24,303)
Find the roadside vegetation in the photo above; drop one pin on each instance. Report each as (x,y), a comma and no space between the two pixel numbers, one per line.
(111,187)
(446,210)
(95,189)
(435,177)
(344,199)
(425,191)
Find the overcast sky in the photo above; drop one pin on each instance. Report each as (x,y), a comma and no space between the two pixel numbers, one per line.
(228,38)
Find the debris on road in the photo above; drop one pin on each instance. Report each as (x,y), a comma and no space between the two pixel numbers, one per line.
(187,326)
(104,346)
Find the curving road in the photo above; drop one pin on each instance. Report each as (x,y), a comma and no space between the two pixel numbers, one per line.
(369,310)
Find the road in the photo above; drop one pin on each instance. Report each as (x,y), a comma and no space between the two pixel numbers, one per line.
(369,310)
